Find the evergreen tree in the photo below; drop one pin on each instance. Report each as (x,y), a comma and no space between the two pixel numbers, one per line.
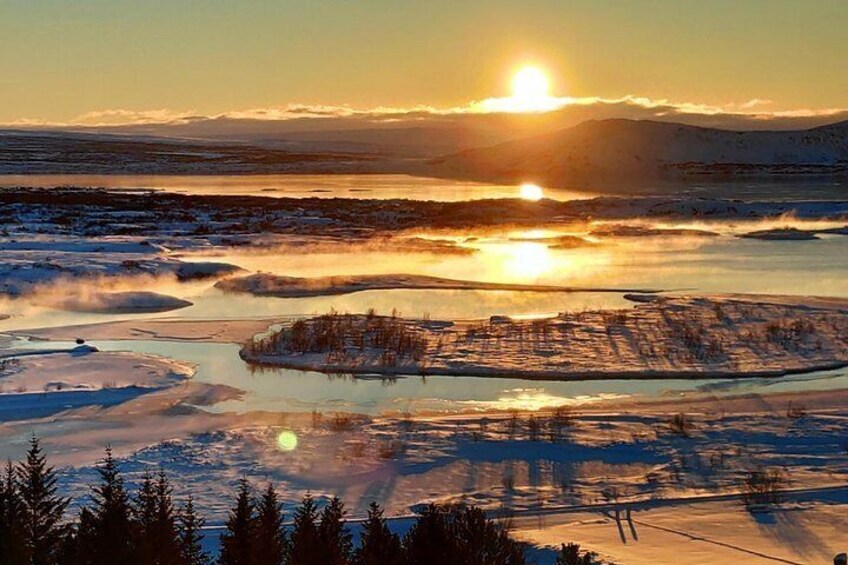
(335,538)
(155,528)
(271,536)
(80,546)
(144,519)
(480,541)
(238,541)
(167,539)
(69,548)
(12,546)
(570,555)
(305,546)
(428,540)
(150,531)
(41,509)
(460,535)
(105,531)
(189,525)
(378,545)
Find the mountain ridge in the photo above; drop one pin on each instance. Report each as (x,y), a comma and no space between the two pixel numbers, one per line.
(621,148)
(595,150)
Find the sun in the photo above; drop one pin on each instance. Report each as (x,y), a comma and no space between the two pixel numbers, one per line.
(530,83)
(529,191)
(530,94)
(530,91)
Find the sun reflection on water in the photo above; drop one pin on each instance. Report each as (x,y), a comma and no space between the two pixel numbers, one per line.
(536,262)
(529,191)
(532,399)
(528,260)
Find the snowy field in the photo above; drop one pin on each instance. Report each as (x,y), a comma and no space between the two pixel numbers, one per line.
(165,291)
(674,337)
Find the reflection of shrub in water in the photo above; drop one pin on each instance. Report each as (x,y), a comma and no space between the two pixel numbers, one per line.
(680,424)
(508,481)
(341,423)
(795,411)
(562,418)
(534,426)
(391,449)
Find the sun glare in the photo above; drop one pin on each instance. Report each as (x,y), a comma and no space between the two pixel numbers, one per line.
(530,93)
(529,191)
(527,261)
(530,83)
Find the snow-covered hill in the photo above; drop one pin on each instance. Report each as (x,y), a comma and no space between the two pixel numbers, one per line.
(630,149)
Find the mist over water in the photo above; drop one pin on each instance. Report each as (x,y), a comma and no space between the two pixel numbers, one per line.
(581,256)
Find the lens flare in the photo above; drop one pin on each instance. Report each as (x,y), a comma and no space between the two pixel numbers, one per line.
(287,440)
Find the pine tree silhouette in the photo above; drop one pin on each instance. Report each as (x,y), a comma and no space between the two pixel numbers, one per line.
(12,536)
(189,525)
(272,545)
(149,531)
(460,535)
(41,509)
(105,530)
(144,519)
(238,541)
(305,546)
(335,537)
(167,540)
(428,540)
(570,555)
(480,541)
(378,545)
(155,528)
(81,545)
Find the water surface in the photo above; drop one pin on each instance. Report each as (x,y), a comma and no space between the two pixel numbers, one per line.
(385,186)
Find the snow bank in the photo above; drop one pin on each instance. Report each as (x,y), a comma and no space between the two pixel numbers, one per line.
(678,337)
(623,230)
(265,284)
(82,245)
(26,272)
(214,331)
(780,234)
(132,302)
(204,270)
(93,371)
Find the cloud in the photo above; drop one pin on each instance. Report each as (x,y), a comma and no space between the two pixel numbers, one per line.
(289,112)
(122,117)
(494,114)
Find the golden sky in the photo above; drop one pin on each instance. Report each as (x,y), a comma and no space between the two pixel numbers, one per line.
(63,59)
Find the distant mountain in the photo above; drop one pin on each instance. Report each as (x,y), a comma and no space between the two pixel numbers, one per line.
(34,152)
(418,133)
(504,151)
(619,149)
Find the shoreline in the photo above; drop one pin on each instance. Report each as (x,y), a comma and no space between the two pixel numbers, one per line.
(275,286)
(390,372)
